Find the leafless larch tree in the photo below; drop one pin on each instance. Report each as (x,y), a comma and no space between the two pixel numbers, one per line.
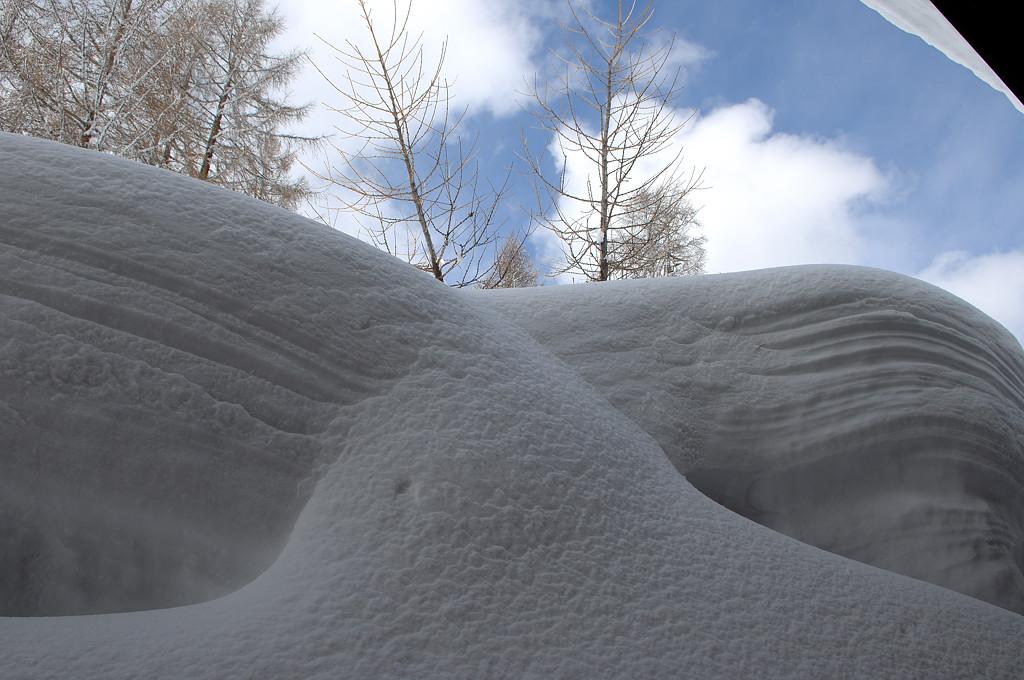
(411,179)
(610,112)
(513,266)
(187,85)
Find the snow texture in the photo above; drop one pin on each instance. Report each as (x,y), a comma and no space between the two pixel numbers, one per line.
(238,444)
(866,413)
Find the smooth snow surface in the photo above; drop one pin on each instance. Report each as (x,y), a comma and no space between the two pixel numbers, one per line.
(351,470)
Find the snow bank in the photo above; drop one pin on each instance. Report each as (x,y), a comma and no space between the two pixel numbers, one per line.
(351,470)
(858,410)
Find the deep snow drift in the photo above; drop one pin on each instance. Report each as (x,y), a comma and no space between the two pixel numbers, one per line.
(351,470)
(858,410)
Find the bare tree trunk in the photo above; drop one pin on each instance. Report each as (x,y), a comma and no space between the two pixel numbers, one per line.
(606,208)
(410,166)
(211,140)
(103,79)
(435,265)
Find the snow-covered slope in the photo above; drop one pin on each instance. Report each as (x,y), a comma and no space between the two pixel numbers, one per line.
(858,410)
(204,394)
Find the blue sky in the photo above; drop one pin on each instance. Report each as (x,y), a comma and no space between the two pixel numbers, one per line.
(952,147)
(826,133)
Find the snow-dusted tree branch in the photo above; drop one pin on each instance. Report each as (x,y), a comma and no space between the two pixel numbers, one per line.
(181,84)
(411,179)
(609,111)
(75,71)
(238,134)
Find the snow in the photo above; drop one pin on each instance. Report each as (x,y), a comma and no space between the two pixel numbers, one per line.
(923,19)
(238,444)
(863,412)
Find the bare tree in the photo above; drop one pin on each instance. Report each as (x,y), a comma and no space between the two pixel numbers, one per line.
(610,108)
(513,267)
(77,72)
(653,238)
(413,182)
(238,135)
(186,85)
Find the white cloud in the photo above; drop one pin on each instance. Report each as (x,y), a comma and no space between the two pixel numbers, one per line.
(776,199)
(993,283)
(684,55)
(490,51)
(490,45)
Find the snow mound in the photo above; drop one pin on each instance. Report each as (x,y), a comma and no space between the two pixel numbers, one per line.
(349,469)
(869,414)
(163,397)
